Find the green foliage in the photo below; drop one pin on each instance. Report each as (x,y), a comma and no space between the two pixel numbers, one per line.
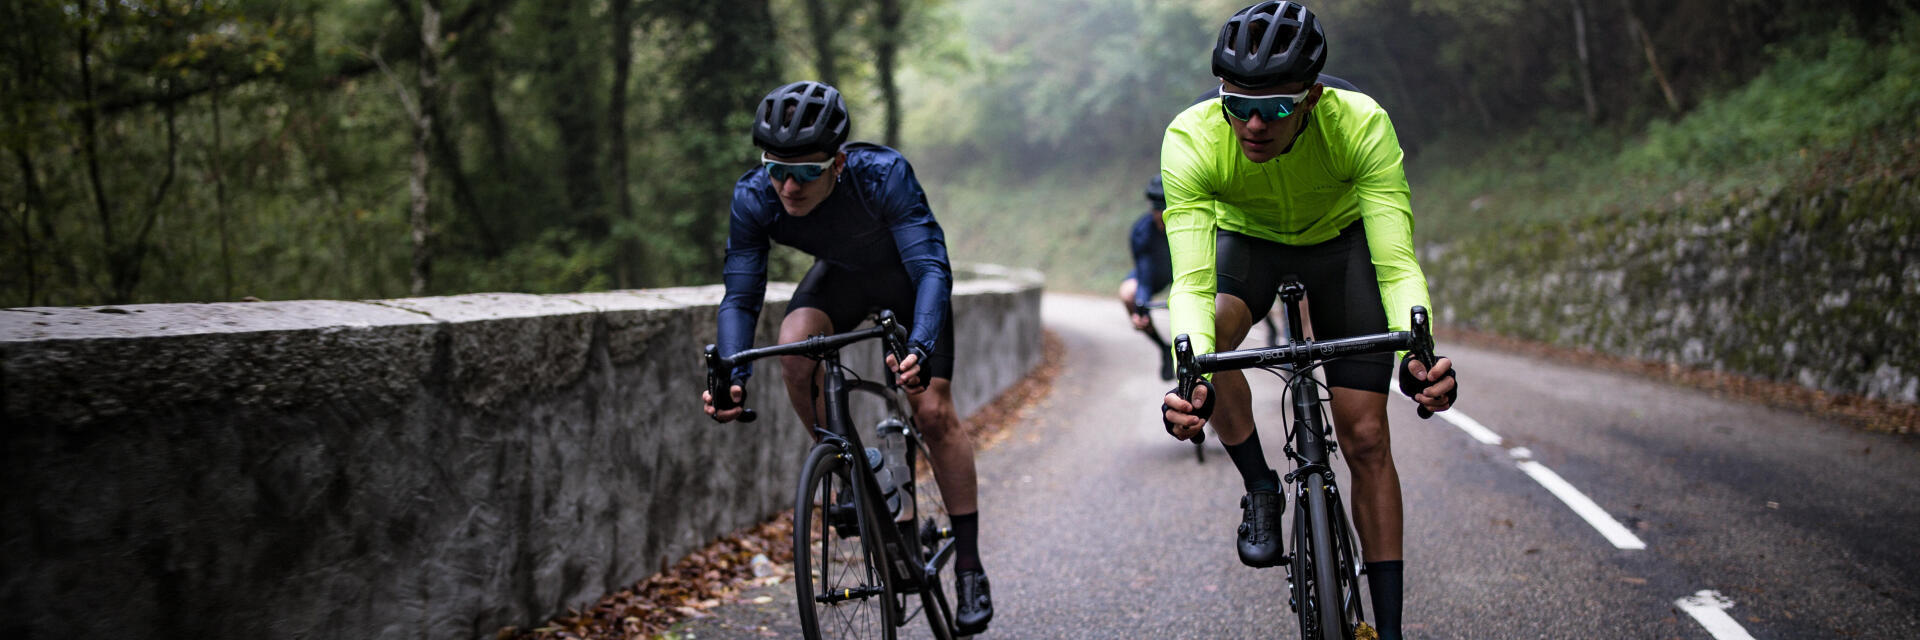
(1070,223)
(231,148)
(1821,94)
(1829,109)
(1046,83)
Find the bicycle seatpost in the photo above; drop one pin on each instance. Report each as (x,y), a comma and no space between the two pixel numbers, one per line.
(1188,376)
(719,385)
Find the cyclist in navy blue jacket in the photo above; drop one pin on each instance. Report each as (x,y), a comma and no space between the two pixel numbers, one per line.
(859,211)
(1152,272)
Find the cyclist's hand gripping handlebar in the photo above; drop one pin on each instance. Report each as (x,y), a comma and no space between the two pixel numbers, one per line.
(1423,346)
(895,342)
(1189,377)
(720,385)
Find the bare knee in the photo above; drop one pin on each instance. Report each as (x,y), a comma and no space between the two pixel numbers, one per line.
(1367,444)
(936,418)
(798,370)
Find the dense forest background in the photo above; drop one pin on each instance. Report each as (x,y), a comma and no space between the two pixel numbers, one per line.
(227,149)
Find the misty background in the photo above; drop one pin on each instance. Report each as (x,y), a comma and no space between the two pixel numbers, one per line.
(171,151)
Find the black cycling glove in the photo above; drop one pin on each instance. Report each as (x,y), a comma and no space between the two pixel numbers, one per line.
(922,363)
(1205,410)
(1412,386)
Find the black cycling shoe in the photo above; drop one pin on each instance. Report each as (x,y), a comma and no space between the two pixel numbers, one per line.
(1260,528)
(976,602)
(1166,366)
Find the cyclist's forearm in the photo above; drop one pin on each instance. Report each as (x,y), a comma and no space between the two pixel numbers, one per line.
(739,312)
(933,300)
(1142,294)
(1190,237)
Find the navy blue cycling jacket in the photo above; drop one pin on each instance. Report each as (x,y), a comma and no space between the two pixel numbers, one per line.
(876,218)
(1152,261)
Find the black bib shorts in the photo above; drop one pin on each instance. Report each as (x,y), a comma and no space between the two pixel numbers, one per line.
(847,297)
(1342,291)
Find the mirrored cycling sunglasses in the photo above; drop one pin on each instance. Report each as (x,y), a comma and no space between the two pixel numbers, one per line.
(1270,108)
(779,171)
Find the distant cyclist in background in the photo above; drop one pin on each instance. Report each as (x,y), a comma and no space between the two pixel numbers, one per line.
(1283,176)
(859,211)
(1152,272)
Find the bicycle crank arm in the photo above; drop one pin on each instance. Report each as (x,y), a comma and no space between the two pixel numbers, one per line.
(940,558)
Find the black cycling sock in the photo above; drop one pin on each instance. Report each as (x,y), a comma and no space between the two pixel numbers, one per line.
(1251,460)
(966,542)
(1383,582)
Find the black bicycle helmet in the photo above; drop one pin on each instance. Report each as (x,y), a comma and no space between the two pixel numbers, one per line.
(1157,194)
(801,118)
(1270,44)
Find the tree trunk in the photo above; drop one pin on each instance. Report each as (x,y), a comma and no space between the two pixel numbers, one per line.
(422,147)
(34,201)
(89,137)
(821,25)
(885,50)
(572,77)
(1586,62)
(131,259)
(220,201)
(622,54)
(1639,29)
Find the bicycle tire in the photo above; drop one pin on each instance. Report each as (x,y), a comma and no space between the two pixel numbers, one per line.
(932,526)
(1317,583)
(1352,614)
(858,566)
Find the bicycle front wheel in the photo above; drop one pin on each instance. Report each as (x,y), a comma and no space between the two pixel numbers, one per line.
(933,533)
(840,582)
(1318,579)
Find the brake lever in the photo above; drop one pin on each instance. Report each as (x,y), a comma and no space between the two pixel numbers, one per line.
(1188,379)
(1423,347)
(894,339)
(719,389)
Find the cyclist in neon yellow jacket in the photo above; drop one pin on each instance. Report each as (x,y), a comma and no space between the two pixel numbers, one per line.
(1283,178)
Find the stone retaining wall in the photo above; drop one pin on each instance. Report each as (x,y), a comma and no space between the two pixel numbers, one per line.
(1819,289)
(419,468)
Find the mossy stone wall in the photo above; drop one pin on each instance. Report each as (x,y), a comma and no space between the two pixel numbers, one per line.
(1815,288)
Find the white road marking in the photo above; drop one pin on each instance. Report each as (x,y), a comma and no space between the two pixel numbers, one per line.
(1472,427)
(1559,487)
(1582,505)
(1710,609)
(1469,425)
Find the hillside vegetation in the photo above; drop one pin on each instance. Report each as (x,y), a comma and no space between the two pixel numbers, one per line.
(1830,109)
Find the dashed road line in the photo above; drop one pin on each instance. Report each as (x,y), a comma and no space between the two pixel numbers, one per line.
(1472,427)
(1709,608)
(1582,506)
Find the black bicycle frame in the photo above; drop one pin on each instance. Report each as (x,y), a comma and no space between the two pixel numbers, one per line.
(1311,448)
(839,428)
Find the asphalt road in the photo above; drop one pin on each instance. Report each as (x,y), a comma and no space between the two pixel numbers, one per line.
(1096,524)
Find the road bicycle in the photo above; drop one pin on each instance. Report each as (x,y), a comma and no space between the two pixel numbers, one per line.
(1323,570)
(872,542)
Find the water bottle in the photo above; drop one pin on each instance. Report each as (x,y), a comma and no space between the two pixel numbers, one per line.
(893,444)
(883,475)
